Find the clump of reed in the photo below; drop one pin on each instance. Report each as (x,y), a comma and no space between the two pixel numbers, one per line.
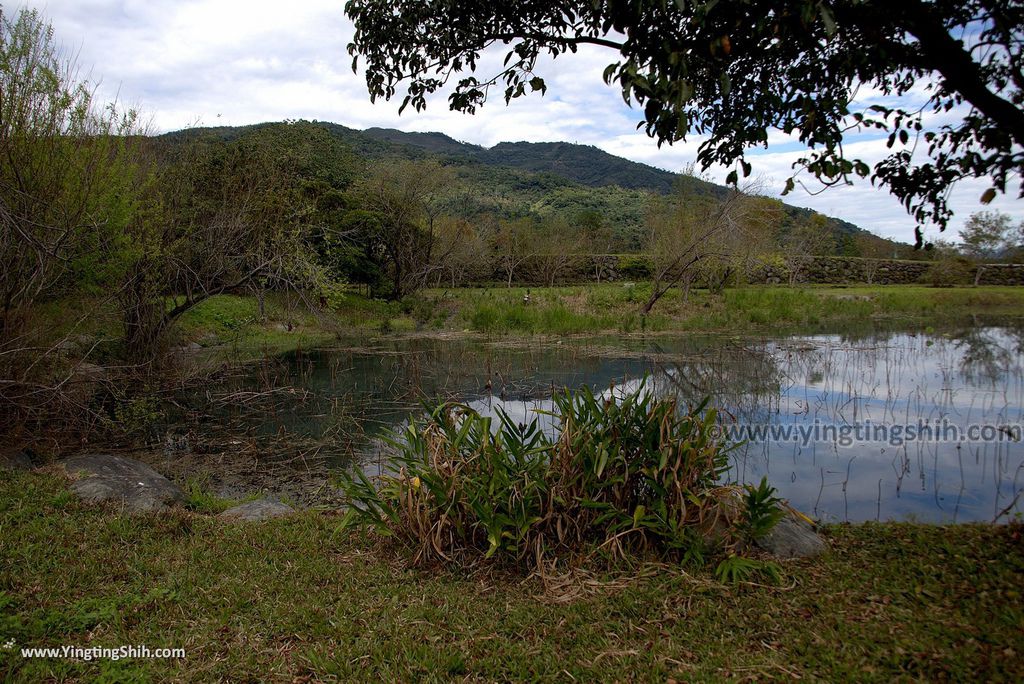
(626,476)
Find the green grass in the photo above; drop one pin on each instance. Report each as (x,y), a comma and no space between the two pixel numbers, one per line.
(296,599)
(234,321)
(774,305)
(231,323)
(199,498)
(550,310)
(616,307)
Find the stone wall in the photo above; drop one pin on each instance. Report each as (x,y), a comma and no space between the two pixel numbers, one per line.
(821,270)
(839,270)
(1002,274)
(850,270)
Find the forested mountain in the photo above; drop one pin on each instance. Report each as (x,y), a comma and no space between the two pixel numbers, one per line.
(520,179)
(584,164)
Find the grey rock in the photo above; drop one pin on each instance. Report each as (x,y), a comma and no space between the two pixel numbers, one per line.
(104,477)
(19,460)
(792,538)
(78,344)
(176,444)
(90,372)
(189,348)
(260,509)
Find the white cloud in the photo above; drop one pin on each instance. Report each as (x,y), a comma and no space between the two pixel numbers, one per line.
(236,62)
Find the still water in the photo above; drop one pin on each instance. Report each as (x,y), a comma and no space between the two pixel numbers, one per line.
(956,377)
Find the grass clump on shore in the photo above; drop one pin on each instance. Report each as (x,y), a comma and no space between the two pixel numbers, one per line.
(554,311)
(627,477)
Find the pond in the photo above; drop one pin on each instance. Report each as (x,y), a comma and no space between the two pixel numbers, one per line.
(884,425)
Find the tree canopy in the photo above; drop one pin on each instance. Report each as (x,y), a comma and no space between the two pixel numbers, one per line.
(734,71)
(993,235)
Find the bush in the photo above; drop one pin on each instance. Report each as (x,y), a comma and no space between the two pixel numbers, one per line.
(766,266)
(949,272)
(624,476)
(634,266)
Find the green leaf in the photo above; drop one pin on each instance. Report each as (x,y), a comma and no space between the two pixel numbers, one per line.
(602,461)
(609,71)
(492,540)
(828,20)
(638,514)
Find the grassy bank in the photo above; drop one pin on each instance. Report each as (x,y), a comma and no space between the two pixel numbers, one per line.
(616,307)
(232,325)
(610,307)
(295,599)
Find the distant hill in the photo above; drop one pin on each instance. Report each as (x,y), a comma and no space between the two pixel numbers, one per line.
(584,164)
(516,179)
(438,143)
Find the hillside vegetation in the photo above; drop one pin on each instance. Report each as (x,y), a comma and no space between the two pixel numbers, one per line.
(521,179)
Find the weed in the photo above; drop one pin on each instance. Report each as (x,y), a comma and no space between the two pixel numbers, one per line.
(136,415)
(198,498)
(734,569)
(762,510)
(627,474)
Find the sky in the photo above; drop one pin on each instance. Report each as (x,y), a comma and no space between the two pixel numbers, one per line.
(229,62)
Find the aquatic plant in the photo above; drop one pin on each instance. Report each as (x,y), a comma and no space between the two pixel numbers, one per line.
(627,475)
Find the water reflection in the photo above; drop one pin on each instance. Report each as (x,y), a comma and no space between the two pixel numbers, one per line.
(970,375)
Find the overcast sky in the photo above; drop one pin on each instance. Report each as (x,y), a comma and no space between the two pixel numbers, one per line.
(230,62)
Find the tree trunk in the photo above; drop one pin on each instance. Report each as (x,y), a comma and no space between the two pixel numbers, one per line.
(656,294)
(396,288)
(946,54)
